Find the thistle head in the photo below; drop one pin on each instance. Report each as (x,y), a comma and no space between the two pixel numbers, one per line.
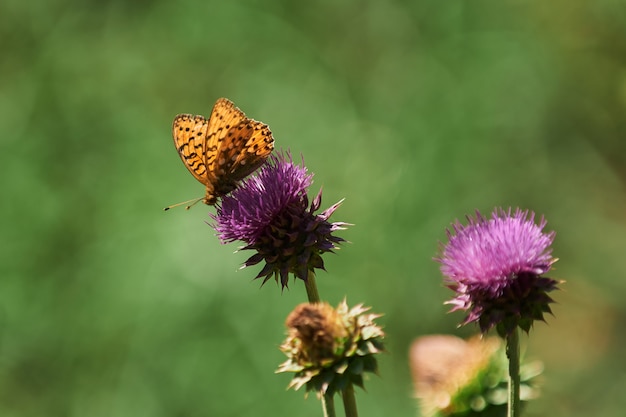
(495,266)
(271,214)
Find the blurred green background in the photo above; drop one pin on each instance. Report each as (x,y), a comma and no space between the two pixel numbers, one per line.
(417,112)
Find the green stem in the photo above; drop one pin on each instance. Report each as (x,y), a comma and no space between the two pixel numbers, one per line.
(328,402)
(512,352)
(349,402)
(311,288)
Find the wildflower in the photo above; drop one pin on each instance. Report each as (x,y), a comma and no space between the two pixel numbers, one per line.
(495,266)
(328,348)
(455,377)
(270,213)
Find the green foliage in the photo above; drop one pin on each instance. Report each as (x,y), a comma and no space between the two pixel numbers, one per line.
(415,112)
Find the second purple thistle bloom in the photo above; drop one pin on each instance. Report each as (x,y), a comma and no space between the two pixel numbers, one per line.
(270,213)
(495,266)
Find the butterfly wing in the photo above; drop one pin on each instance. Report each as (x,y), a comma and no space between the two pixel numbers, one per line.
(236,146)
(189,134)
(258,148)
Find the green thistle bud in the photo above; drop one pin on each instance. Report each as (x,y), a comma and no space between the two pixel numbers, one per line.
(454,377)
(329,348)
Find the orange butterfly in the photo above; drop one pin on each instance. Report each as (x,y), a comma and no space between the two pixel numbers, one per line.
(222,150)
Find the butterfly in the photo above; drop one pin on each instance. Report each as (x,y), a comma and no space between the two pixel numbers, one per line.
(222,150)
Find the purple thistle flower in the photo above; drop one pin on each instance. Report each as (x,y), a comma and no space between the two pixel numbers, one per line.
(270,212)
(495,266)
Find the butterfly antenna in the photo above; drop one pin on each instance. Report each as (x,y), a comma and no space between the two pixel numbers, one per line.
(194,201)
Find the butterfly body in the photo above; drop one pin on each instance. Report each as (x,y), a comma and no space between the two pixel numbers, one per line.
(222,150)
